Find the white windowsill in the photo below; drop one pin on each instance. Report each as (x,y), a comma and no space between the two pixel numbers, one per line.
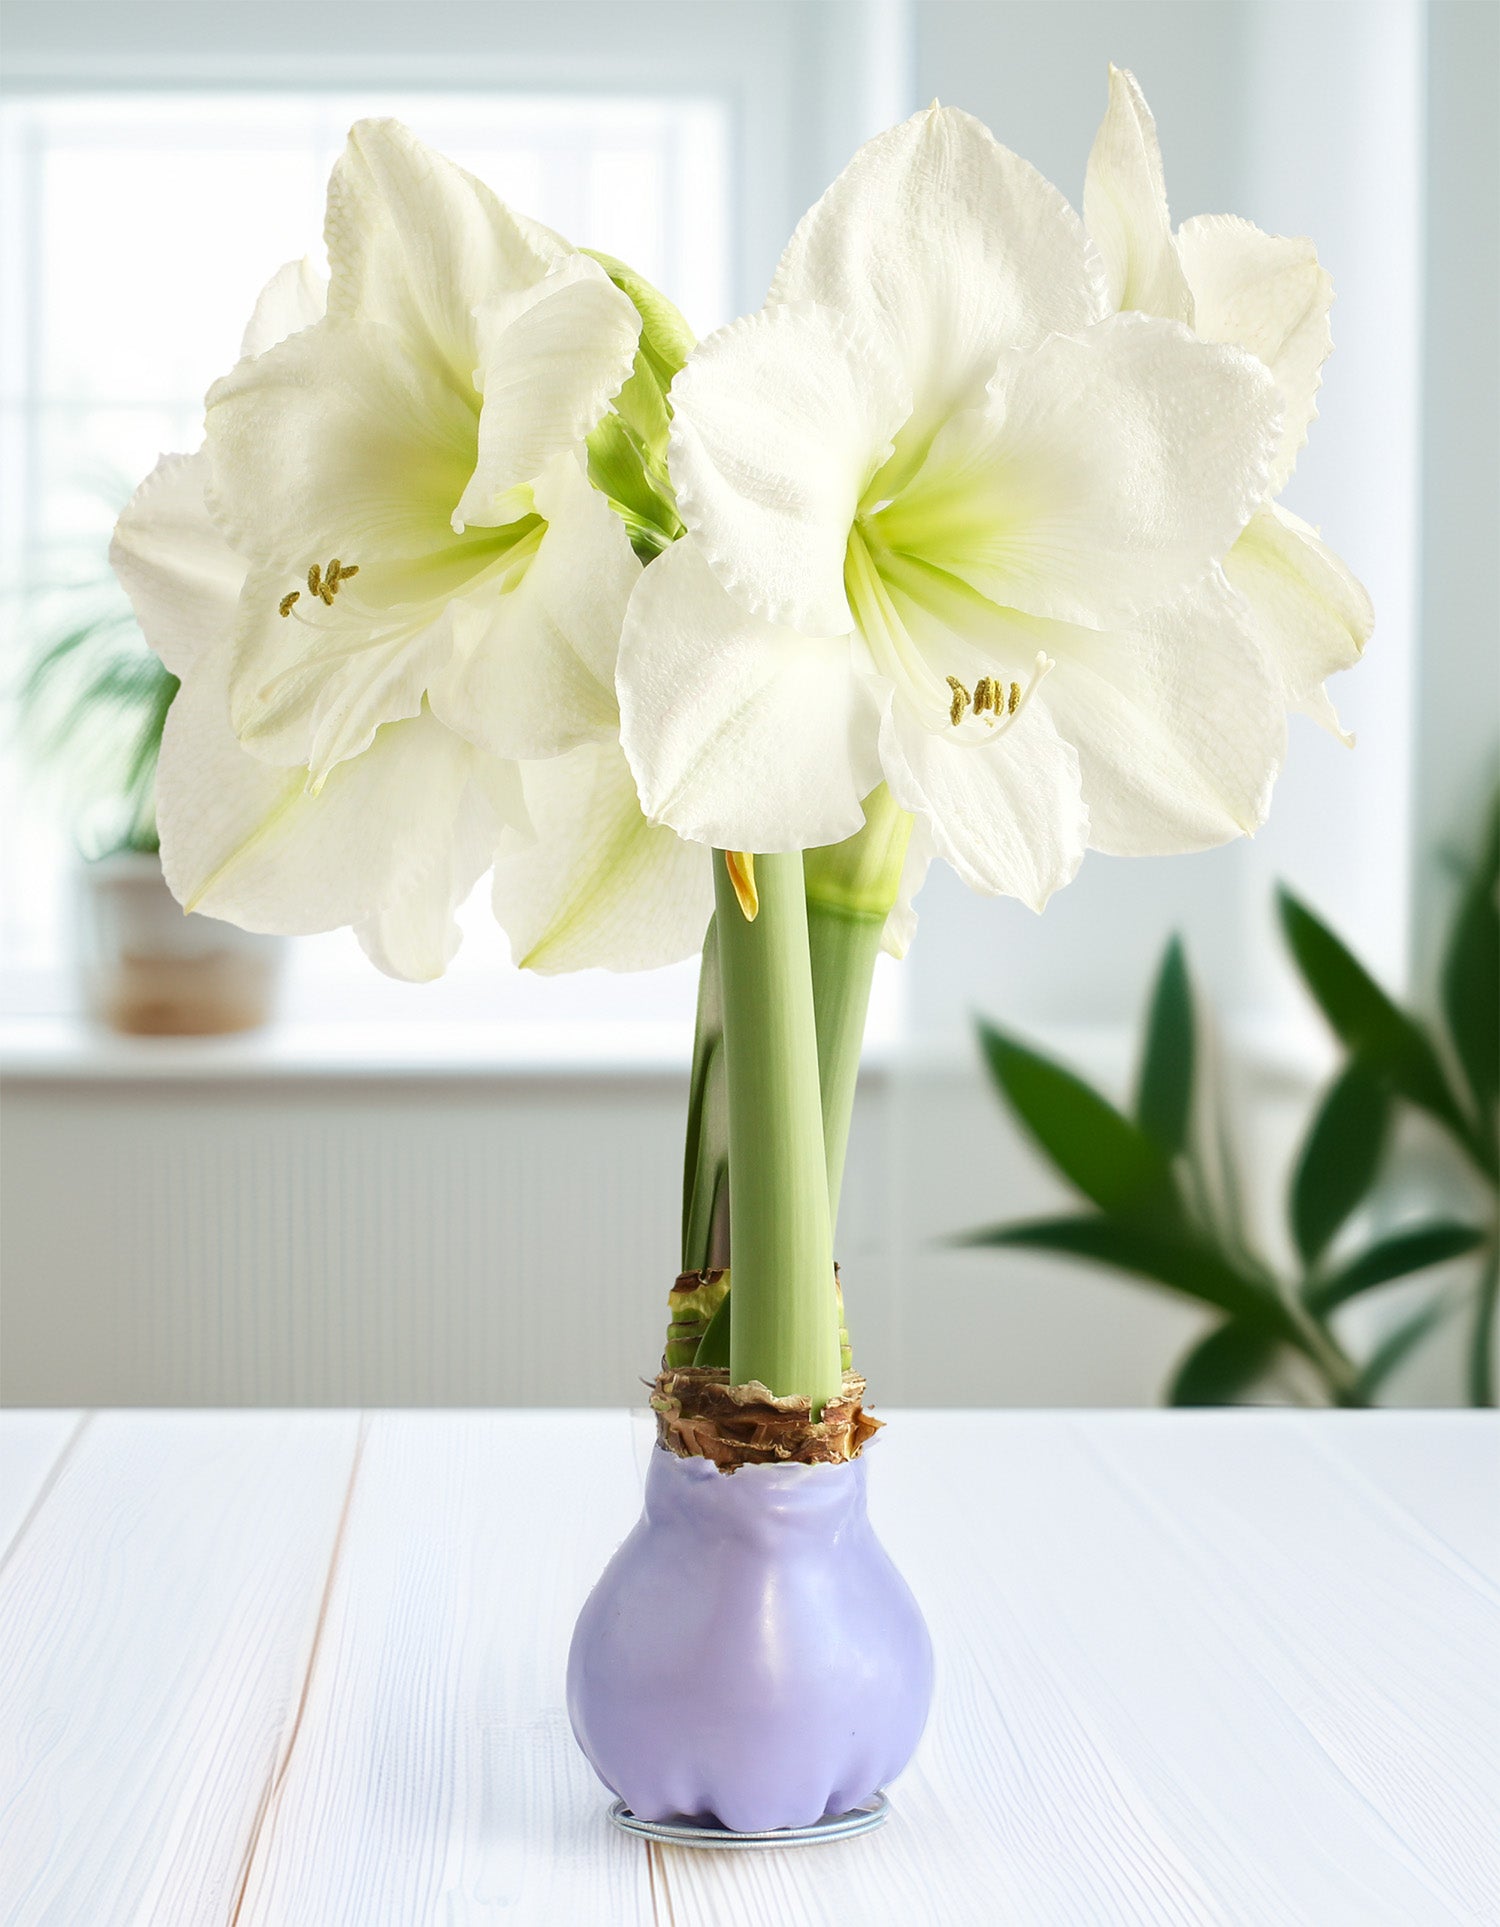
(70,1050)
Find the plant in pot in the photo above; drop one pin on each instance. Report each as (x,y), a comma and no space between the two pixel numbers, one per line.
(93,704)
(963,546)
(1364,1214)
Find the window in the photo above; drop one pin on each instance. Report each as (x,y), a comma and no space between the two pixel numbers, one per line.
(139,228)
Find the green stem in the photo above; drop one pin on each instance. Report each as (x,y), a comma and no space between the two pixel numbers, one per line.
(784,1327)
(843,948)
(706,1151)
(851,887)
(1482,1341)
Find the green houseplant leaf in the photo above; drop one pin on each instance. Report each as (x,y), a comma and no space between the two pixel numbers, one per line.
(1373,1029)
(1471,978)
(1398,1345)
(1110,1160)
(1164,1096)
(1177,1261)
(1395,1257)
(1222,1365)
(1339,1157)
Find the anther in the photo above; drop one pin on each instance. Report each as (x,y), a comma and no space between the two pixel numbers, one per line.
(315,579)
(285,605)
(960,701)
(1015,699)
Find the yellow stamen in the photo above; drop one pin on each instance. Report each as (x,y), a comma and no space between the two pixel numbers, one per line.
(960,701)
(323,583)
(741,867)
(1015,699)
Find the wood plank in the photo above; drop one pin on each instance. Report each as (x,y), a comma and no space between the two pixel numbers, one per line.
(434,1777)
(1442,1469)
(31,1446)
(155,1626)
(1177,1683)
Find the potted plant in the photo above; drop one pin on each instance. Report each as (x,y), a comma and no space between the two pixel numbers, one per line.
(94,703)
(964,546)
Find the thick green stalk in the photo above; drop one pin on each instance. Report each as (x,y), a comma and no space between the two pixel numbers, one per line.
(784,1328)
(843,947)
(851,887)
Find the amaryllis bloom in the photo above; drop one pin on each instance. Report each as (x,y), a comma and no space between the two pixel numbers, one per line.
(954,528)
(1229,282)
(402,477)
(393,838)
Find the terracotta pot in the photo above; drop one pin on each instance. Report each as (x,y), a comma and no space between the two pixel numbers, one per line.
(152,971)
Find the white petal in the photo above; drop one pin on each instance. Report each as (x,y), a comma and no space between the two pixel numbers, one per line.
(946,247)
(182,577)
(1125,208)
(1105,474)
(1267,293)
(417,244)
(293,299)
(1006,814)
(598,886)
(1313,614)
(247,842)
(780,421)
(314,691)
(1179,725)
(533,670)
(336,442)
(550,358)
(414,933)
(740,733)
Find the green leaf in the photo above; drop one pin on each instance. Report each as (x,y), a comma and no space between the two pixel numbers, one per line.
(1110,1160)
(1471,976)
(713,1346)
(1395,1257)
(1222,1365)
(1164,1098)
(1179,1262)
(1339,1157)
(1482,1334)
(1398,1345)
(1372,1028)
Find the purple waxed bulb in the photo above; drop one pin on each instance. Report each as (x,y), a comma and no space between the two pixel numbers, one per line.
(750,1657)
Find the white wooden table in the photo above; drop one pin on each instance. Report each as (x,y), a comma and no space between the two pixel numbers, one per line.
(305,1670)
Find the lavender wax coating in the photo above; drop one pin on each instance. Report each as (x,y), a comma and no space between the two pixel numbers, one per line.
(750,1657)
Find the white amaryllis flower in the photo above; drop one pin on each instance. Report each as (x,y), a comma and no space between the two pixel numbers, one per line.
(402,478)
(391,843)
(395,837)
(1231,283)
(952,528)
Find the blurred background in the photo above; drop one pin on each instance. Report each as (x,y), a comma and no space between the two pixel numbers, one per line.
(468,1192)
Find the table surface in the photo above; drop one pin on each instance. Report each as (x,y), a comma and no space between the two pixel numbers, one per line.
(305,1669)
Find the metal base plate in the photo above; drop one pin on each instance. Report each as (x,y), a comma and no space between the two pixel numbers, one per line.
(687,1833)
